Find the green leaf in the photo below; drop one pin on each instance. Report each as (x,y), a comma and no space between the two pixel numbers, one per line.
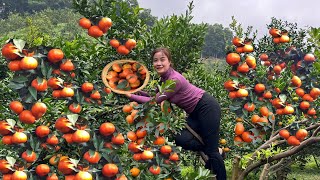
(283,97)
(33,92)
(11,160)
(16,86)
(20,79)
(73,118)
(19,43)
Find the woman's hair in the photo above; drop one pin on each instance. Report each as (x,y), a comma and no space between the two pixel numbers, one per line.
(164,50)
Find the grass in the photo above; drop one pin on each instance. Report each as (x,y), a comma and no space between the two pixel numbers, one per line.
(310,171)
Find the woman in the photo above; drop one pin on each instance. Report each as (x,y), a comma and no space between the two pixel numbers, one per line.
(202,109)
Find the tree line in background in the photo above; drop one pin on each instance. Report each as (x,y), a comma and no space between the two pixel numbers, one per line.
(45,18)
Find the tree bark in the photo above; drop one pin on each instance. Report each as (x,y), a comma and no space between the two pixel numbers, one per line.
(287,153)
(235,168)
(265,172)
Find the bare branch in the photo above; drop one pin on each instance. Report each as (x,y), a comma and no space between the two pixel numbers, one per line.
(316,131)
(287,153)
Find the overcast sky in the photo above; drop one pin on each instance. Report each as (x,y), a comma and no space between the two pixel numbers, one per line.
(256,13)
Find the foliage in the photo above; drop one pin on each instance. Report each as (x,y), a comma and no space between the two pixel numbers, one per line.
(272,67)
(217,38)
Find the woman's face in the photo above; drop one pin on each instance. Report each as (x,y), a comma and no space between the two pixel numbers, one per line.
(161,62)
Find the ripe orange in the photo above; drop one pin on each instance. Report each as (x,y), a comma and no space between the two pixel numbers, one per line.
(105,23)
(87,87)
(249,107)
(38,109)
(251,62)
(259,88)
(67,92)
(166,149)
(107,129)
(14,65)
(114,43)
(174,157)
(243,68)
(233,58)
(141,133)
(54,83)
(75,108)
(248,48)
(95,31)
(304,105)
(6,139)
(284,39)
(19,137)
(288,110)
(67,65)
(63,124)
(293,141)
(110,170)
(239,128)
(314,92)
(263,57)
(27,117)
(80,136)
(147,155)
(92,157)
(130,44)
(264,111)
(155,170)
(134,171)
(123,50)
(19,175)
(267,95)
(9,51)
(85,23)
(30,157)
(301,134)
(275,32)
(95,95)
(255,118)
(42,131)
(237,41)
(309,57)
(52,140)
(159,141)
(277,69)
(296,81)
(131,135)
(83,175)
(16,106)
(28,63)
(42,170)
(40,85)
(118,139)
(246,136)
(55,55)
(284,133)
(242,93)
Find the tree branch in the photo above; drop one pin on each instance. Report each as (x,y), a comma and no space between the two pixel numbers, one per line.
(287,153)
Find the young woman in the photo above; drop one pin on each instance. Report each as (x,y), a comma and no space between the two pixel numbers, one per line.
(202,109)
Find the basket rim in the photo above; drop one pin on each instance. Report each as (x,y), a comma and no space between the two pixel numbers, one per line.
(105,70)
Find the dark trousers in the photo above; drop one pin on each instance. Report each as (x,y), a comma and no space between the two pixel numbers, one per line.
(205,120)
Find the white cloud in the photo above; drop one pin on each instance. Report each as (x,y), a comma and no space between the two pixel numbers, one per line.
(256,13)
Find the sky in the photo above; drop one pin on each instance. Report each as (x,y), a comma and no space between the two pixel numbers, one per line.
(256,13)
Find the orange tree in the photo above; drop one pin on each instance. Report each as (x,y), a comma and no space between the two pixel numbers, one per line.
(60,121)
(274,89)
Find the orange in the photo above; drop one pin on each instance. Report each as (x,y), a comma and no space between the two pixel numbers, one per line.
(233,58)
(134,171)
(16,107)
(85,23)
(42,170)
(55,55)
(239,128)
(114,43)
(14,65)
(95,31)
(110,170)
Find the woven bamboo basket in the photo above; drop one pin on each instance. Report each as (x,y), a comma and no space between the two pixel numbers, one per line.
(108,67)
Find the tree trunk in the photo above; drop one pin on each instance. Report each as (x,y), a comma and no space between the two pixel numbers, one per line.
(235,168)
(265,172)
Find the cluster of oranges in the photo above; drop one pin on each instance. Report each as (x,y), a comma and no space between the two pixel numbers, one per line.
(123,49)
(293,140)
(96,30)
(140,148)
(124,76)
(28,116)
(271,106)
(279,36)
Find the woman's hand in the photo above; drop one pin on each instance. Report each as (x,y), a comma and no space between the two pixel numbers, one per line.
(128,95)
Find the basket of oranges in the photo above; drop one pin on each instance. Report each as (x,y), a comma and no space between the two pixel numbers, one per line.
(125,76)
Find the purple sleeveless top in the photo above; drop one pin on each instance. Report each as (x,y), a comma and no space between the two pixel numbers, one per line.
(185,95)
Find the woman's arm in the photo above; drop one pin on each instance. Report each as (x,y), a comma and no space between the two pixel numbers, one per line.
(138,98)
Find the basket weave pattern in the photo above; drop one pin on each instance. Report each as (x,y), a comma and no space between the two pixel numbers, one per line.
(108,68)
